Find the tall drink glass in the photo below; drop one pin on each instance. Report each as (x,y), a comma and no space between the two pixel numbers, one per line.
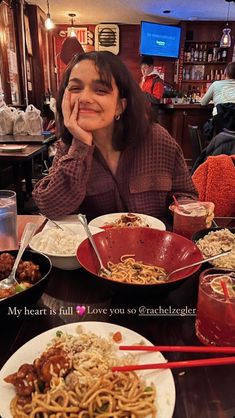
(215,320)
(191,216)
(8,220)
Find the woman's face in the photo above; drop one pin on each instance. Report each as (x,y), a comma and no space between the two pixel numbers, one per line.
(97,103)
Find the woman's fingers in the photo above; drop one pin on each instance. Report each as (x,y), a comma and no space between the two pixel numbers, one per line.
(66,106)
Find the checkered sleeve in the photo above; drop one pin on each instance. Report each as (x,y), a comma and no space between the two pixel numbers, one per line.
(63,190)
(182,185)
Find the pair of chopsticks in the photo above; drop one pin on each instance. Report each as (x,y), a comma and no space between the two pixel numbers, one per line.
(178,364)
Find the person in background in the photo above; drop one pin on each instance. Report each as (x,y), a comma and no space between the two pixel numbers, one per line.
(110,158)
(222,94)
(151,84)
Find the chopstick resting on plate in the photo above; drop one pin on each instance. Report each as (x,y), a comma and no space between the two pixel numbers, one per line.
(222,361)
(178,364)
(178,348)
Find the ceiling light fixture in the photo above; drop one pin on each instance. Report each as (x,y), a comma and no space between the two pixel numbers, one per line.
(72,30)
(225,41)
(71,46)
(48,22)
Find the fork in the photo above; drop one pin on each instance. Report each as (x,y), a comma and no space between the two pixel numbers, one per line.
(197,263)
(28,233)
(82,219)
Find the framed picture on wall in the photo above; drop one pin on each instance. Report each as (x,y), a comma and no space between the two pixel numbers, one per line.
(28,36)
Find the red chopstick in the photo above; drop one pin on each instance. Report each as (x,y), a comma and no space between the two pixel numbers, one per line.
(222,361)
(178,348)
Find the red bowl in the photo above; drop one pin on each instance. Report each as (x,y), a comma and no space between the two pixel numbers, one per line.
(160,248)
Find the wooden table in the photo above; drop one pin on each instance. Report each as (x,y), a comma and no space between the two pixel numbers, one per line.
(205,392)
(21,163)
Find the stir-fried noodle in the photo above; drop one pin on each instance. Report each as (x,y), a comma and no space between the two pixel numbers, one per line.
(72,378)
(128,270)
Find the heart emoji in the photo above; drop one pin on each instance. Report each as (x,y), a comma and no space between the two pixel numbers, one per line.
(80,310)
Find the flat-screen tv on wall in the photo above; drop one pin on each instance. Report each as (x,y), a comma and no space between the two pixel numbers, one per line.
(159,40)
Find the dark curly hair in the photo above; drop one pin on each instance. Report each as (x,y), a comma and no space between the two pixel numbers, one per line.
(134,124)
(230,70)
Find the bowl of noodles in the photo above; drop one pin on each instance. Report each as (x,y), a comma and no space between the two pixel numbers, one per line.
(213,241)
(139,257)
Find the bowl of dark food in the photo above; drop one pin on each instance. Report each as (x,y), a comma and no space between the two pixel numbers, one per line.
(32,275)
(139,257)
(213,241)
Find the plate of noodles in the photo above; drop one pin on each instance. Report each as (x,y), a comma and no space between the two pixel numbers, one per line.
(125,219)
(83,356)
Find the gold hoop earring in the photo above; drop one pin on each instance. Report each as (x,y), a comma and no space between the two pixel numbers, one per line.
(117,117)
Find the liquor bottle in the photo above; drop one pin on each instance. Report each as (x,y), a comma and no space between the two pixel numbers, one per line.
(194,94)
(189,94)
(187,74)
(212,78)
(192,53)
(196,53)
(188,57)
(210,55)
(215,52)
(198,94)
(200,57)
(222,76)
(217,75)
(219,55)
(186,53)
(224,54)
(204,56)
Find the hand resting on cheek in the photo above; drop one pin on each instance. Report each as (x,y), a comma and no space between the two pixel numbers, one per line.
(71,119)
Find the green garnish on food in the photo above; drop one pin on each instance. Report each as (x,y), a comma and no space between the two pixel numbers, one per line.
(41,386)
(19,288)
(59,333)
(148,389)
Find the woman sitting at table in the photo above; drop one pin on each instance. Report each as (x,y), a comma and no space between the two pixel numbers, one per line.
(109,157)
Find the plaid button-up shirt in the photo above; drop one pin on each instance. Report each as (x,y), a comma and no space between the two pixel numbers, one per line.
(146,178)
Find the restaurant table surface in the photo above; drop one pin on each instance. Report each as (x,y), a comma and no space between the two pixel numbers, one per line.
(201,392)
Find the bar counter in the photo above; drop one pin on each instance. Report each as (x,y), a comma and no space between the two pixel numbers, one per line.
(176,117)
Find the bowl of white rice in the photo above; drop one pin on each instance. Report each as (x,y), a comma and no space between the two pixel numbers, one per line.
(61,245)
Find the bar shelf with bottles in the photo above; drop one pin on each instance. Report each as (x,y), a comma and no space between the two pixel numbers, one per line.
(203,62)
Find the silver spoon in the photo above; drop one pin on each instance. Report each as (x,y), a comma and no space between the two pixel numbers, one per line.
(197,263)
(28,233)
(82,219)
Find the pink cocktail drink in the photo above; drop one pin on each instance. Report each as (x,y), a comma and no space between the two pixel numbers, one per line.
(215,321)
(192,216)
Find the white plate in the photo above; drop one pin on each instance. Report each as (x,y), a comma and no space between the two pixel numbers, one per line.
(163,379)
(12,148)
(111,217)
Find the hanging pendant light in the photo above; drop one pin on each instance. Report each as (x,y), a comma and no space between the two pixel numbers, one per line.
(71,30)
(71,46)
(48,22)
(225,41)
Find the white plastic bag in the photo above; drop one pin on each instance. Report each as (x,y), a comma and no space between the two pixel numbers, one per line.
(7,117)
(33,120)
(20,124)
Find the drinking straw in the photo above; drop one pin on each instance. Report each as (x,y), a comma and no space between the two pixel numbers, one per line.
(176,202)
(229,311)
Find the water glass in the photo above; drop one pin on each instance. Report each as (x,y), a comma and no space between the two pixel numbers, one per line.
(8,220)
(215,320)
